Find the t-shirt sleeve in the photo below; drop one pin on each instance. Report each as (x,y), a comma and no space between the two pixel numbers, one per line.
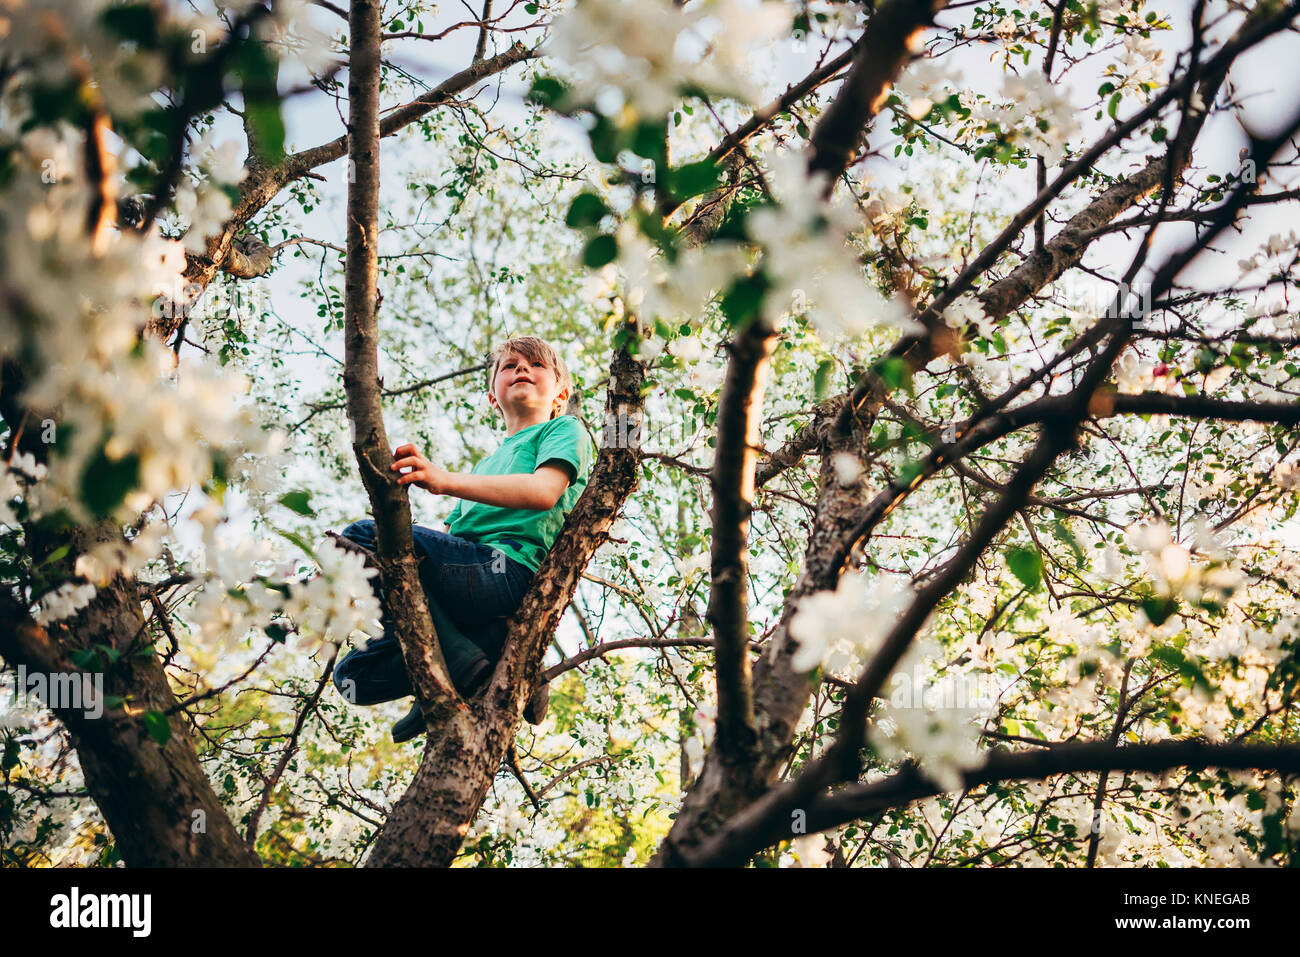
(569,443)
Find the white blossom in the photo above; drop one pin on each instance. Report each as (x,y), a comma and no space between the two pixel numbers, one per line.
(848,467)
(968,311)
(836,628)
(810,850)
(809,262)
(640,50)
(64,602)
(924,82)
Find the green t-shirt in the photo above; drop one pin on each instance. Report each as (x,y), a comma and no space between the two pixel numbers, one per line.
(562,440)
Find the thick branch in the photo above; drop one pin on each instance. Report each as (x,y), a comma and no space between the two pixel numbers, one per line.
(409,612)
(732,481)
(855,801)
(881,53)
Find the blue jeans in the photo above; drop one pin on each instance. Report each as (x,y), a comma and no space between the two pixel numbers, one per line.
(472,590)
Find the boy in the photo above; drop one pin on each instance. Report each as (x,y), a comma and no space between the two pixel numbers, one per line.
(475,572)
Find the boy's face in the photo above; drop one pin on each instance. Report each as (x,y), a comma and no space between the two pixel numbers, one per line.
(524,385)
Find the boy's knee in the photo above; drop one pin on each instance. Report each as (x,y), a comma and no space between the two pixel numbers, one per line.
(344,681)
(362,530)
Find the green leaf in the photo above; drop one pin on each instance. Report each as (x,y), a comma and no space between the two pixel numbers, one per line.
(10,758)
(910,471)
(1065,535)
(1159,609)
(159,728)
(55,555)
(822,378)
(894,372)
(693,179)
(277,632)
(106,481)
(296,539)
(257,69)
(604,138)
(742,301)
(264,116)
(86,659)
(547,91)
(299,501)
(599,251)
(587,209)
(1026,564)
(137,22)
(1112,108)
(650,140)
(1176,659)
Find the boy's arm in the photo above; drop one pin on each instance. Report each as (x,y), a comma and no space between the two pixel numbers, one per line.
(540,490)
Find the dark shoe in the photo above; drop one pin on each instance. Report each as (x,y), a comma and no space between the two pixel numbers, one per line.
(535,709)
(479,677)
(412,724)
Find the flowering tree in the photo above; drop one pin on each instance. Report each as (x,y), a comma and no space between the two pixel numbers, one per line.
(944,504)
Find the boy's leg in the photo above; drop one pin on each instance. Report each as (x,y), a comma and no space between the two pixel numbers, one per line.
(485,587)
(373,674)
(462,655)
(478,585)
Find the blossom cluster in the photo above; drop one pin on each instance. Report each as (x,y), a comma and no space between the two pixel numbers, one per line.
(808,262)
(326,607)
(1029,103)
(123,424)
(835,629)
(1213,579)
(934,715)
(637,59)
(1278,252)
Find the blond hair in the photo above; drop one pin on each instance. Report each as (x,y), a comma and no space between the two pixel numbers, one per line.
(534,349)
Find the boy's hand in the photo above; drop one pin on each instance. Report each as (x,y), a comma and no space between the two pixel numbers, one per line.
(422,473)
